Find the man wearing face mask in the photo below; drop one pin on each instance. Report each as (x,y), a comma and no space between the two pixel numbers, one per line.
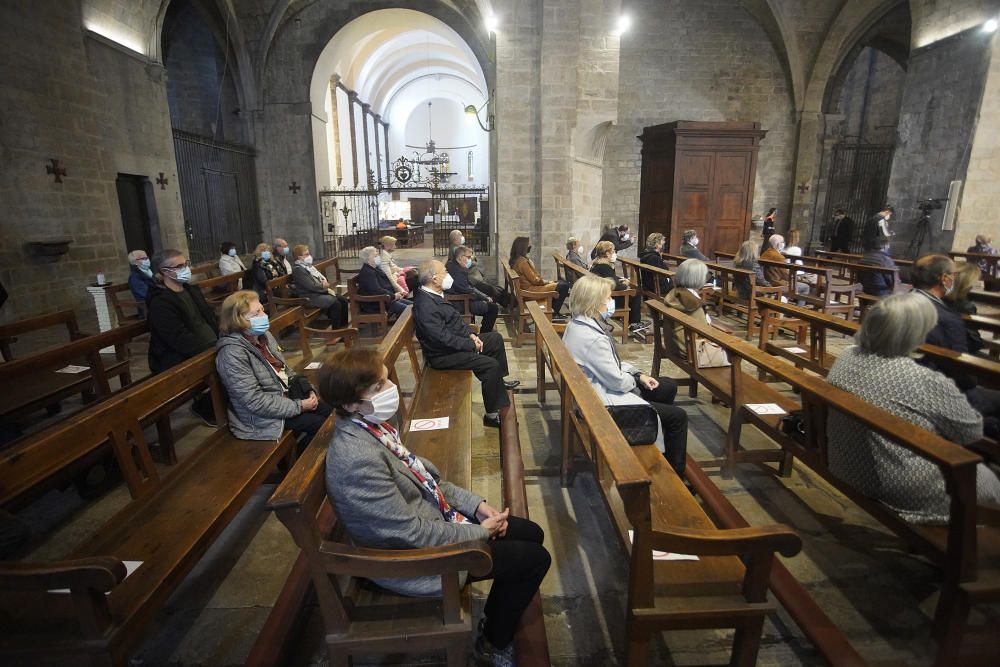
(280,257)
(181,323)
(459,263)
(449,344)
(140,278)
(372,281)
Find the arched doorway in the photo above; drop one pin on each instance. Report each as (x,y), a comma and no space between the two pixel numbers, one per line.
(393,145)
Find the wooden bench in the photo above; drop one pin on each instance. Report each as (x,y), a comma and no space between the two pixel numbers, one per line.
(124,305)
(9,332)
(279,290)
(957,547)
(168,527)
(565,268)
(646,498)
(215,290)
(853,258)
(206,270)
(519,298)
(729,296)
(985,298)
(359,620)
(824,295)
(992,261)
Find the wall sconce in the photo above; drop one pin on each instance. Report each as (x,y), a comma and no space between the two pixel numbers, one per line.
(471,111)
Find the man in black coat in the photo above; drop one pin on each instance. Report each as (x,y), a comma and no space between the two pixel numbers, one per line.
(449,344)
(181,323)
(840,234)
(481,304)
(372,281)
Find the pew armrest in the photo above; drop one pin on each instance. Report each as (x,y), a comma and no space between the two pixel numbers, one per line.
(988,449)
(348,335)
(100,574)
(729,542)
(473,557)
(528,295)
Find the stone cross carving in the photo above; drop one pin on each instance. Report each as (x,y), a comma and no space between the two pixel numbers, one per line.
(55,170)
(295,187)
(162,181)
(803,188)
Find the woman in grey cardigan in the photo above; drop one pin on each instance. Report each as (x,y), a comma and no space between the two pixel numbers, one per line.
(880,369)
(389,498)
(309,282)
(257,377)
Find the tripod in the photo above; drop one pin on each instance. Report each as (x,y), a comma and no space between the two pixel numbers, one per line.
(923,230)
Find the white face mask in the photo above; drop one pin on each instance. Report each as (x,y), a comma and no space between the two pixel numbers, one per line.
(384,404)
(447,282)
(614,257)
(609,309)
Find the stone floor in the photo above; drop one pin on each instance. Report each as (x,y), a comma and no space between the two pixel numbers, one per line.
(880,595)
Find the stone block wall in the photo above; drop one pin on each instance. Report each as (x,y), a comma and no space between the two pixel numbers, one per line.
(937,122)
(706,62)
(869,100)
(99,112)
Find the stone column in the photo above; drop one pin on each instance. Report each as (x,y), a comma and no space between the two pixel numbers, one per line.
(388,168)
(352,99)
(99,293)
(335,119)
(365,112)
(378,154)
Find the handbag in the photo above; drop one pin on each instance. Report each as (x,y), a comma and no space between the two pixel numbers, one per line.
(299,387)
(711,355)
(638,423)
(794,426)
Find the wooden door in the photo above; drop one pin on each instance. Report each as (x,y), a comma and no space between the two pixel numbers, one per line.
(730,176)
(693,192)
(656,199)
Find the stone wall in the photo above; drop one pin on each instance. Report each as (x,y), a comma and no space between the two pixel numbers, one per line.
(939,108)
(705,62)
(99,112)
(869,100)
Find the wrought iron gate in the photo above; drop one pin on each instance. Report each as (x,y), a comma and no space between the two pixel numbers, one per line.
(218,186)
(859,180)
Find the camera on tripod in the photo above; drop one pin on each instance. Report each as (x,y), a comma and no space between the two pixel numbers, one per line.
(927,205)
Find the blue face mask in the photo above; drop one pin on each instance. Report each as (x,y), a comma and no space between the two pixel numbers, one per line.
(266,255)
(231,252)
(285,250)
(468,263)
(378,261)
(183,275)
(609,309)
(144,264)
(259,324)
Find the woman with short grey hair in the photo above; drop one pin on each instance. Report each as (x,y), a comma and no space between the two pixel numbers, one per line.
(690,277)
(881,370)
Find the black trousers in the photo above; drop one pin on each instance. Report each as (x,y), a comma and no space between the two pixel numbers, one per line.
(673,419)
(309,422)
(519,565)
(490,366)
(488,311)
(562,288)
(634,307)
(338,312)
(495,292)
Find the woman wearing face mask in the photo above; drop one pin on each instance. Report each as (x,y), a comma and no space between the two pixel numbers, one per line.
(605,258)
(229,261)
(308,282)
(261,270)
(140,278)
(618,382)
(525,268)
(372,281)
(257,378)
(389,498)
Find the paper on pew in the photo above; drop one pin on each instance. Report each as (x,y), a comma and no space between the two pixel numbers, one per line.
(73,369)
(766,408)
(130,567)
(429,424)
(665,555)
(795,350)
(314,365)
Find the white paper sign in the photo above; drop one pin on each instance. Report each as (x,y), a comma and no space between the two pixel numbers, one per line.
(73,369)
(429,424)
(766,408)
(665,555)
(795,350)
(314,365)
(130,567)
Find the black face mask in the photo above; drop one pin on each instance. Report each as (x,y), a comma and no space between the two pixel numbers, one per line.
(528,250)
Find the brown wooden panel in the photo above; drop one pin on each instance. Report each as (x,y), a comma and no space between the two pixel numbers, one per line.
(695,171)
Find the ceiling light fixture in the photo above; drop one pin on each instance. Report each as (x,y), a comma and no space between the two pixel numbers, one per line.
(990,26)
(492,23)
(624,23)
(471,111)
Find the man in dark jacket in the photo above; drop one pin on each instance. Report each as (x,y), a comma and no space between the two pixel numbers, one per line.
(481,304)
(140,278)
(372,281)
(689,246)
(181,323)
(651,257)
(878,283)
(449,344)
(840,234)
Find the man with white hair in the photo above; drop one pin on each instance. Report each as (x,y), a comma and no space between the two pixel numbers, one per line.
(280,256)
(372,281)
(140,278)
(776,276)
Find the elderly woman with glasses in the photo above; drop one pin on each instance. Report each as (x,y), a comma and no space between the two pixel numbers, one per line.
(880,369)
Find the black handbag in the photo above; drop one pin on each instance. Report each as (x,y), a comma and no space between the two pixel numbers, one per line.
(638,423)
(794,426)
(299,387)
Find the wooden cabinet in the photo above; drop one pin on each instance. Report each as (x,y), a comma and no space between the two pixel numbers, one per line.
(699,176)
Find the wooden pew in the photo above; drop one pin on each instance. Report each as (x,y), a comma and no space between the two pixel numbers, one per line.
(215,290)
(985,298)
(824,295)
(644,495)
(853,258)
(956,547)
(519,297)
(124,305)
(992,261)
(565,268)
(279,290)
(379,320)
(205,270)
(171,523)
(730,299)
(300,502)
(9,332)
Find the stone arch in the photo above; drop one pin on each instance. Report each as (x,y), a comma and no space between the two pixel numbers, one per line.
(770,18)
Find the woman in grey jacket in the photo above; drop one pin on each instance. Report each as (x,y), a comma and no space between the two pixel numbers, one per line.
(389,498)
(618,382)
(257,378)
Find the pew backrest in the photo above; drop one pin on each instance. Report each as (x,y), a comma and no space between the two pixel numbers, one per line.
(10,332)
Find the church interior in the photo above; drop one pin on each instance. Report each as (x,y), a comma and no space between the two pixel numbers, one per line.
(310,355)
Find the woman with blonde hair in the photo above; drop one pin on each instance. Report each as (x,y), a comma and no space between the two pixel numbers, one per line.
(265,396)
(967,275)
(261,270)
(747,258)
(617,382)
(603,265)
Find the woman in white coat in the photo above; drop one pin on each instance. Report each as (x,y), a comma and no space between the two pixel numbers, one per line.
(229,261)
(618,382)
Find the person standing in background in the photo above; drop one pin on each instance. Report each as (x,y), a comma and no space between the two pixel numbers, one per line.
(768,230)
(840,234)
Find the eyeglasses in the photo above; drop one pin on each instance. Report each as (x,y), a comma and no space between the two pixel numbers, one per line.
(179,266)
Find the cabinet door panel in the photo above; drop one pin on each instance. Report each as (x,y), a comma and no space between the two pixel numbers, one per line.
(729,200)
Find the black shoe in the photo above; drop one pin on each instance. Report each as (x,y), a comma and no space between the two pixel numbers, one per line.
(206,416)
(492,421)
(510,384)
